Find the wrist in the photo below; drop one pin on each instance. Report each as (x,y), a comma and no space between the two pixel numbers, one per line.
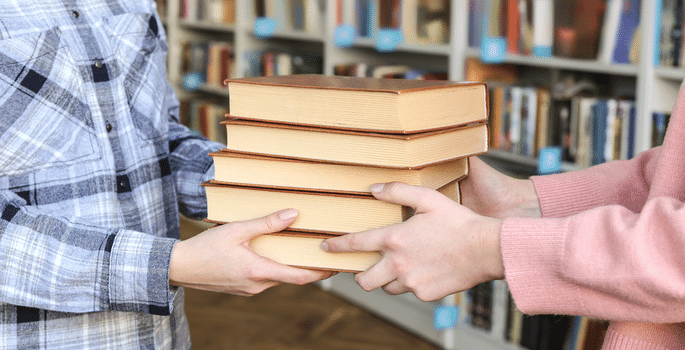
(496,261)
(525,201)
(176,265)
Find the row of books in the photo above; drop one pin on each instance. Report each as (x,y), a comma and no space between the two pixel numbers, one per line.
(419,21)
(211,62)
(490,308)
(519,119)
(212,11)
(362,69)
(600,130)
(591,130)
(298,15)
(272,62)
(588,29)
(317,143)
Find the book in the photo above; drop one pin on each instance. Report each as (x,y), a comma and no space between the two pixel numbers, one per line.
(543,27)
(319,212)
(354,147)
(303,250)
(290,173)
(628,22)
(369,104)
(612,17)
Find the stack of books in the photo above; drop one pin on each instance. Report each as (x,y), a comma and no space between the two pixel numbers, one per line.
(317,143)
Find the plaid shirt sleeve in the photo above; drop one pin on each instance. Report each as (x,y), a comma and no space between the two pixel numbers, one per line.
(190,163)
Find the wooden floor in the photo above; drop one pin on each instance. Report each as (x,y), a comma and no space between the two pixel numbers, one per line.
(289,317)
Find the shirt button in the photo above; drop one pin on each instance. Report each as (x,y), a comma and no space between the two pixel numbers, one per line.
(75,13)
(108,127)
(98,64)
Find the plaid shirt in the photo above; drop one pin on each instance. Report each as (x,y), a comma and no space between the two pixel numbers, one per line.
(94,169)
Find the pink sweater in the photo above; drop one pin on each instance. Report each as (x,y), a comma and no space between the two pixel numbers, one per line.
(611,245)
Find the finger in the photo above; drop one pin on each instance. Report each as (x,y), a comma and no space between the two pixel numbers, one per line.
(274,222)
(376,276)
(367,241)
(274,271)
(395,288)
(417,197)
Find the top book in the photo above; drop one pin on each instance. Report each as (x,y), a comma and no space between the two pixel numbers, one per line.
(365,104)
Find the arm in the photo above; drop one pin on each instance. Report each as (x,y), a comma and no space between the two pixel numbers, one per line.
(56,263)
(624,183)
(631,271)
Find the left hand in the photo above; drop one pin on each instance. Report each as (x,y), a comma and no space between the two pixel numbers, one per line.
(443,249)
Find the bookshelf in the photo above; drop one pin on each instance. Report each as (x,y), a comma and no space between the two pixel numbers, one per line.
(653,88)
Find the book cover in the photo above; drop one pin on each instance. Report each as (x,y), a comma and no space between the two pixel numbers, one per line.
(381,105)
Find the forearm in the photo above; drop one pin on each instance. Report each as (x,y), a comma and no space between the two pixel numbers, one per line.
(607,262)
(191,165)
(624,183)
(54,264)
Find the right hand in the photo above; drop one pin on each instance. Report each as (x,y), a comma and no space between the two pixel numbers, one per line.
(488,192)
(220,259)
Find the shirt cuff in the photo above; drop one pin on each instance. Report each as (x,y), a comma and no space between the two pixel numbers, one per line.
(139,273)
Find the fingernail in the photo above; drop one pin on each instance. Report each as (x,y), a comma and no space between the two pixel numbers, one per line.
(377,188)
(324,246)
(287,214)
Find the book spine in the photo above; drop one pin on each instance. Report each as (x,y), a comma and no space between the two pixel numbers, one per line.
(543,27)
(629,21)
(609,30)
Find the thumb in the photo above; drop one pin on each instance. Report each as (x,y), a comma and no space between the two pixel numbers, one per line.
(417,197)
(274,222)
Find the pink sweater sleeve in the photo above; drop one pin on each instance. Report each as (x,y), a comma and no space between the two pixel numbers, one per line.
(561,264)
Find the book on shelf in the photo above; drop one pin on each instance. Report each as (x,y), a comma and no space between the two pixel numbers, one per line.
(291,173)
(302,249)
(670,27)
(659,123)
(319,211)
(629,21)
(383,105)
(356,147)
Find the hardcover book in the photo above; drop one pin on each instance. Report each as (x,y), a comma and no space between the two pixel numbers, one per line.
(291,173)
(303,250)
(354,147)
(320,212)
(369,104)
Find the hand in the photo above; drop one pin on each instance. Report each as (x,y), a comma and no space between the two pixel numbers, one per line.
(220,260)
(490,193)
(444,248)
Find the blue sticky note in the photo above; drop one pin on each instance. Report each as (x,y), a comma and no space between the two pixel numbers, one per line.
(344,35)
(493,49)
(542,51)
(445,317)
(192,81)
(387,39)
(549,160)
(264,27)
